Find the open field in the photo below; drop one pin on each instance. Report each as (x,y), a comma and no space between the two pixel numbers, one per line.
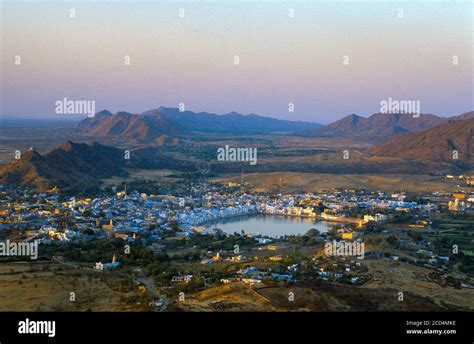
(290,182)
(233,297)
(416,280)
(314,297)
(47,286)
(137,175)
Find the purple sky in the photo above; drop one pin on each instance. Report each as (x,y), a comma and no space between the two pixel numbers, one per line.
(396,50)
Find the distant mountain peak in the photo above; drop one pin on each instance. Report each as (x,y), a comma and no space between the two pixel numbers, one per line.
(233,113)
(354,118)
(162,108)
(103,113)
(67,145)
(123,113)
(30,154)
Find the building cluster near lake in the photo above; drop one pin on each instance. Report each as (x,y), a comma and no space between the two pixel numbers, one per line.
(362,227)
(50,216)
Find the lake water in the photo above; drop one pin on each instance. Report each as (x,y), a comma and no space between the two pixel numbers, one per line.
(271,225)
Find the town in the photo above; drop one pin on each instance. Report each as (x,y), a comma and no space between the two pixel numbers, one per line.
(170,243)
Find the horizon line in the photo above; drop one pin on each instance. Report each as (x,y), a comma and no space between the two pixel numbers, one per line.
(79,117)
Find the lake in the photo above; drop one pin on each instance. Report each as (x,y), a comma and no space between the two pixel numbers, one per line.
(270,225)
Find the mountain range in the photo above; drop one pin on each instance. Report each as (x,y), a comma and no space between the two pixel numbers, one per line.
(161,126)
(380,126)
(151,125)
(232,122)
(428,142)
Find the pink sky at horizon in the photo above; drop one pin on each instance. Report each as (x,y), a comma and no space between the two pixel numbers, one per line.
(282,59)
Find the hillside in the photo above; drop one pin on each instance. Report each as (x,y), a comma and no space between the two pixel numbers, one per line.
(71,167)
(433,145)
(76,167)
(377,126)
(129,126)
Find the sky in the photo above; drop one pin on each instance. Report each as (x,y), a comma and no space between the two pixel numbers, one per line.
(394,49)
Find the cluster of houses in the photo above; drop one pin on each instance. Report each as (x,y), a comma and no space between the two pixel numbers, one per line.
(99,266)
(461,202)
(124,215)
(252,275)
(48,216)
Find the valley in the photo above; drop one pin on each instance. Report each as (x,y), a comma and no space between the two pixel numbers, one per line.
(157,187)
